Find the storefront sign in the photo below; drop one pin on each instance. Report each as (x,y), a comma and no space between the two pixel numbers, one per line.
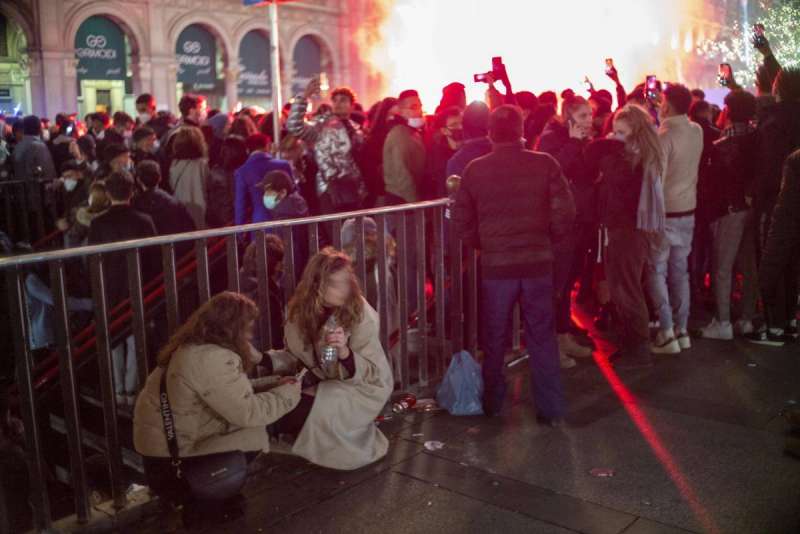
(255,77)
(196,51)
(100,50)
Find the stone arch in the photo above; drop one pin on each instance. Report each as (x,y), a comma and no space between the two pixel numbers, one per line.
(16,16)
(219,32)
(324,42)
(133,30)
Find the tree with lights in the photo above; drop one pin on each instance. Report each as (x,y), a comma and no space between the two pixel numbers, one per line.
(781,20)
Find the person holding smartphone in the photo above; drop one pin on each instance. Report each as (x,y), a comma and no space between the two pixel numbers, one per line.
(565,140)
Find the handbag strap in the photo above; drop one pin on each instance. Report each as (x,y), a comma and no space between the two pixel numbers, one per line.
(169,424)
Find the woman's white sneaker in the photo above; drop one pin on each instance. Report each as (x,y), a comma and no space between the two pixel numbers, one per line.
(718,330)
(665,343)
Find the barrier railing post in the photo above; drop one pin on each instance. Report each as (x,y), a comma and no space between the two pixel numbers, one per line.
(39,499)
(422,313)
(104,357)
(69,393)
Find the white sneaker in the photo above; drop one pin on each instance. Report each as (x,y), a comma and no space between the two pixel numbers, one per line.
(665,343)
(718,330)
(743,327)
(684,341)
(566,361)
(568,346)
(655,324)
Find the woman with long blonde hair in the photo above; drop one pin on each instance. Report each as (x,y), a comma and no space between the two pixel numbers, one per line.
(628,168)
(334,422)
(213,404)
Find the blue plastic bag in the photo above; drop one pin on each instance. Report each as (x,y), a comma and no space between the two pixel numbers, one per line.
(461,392)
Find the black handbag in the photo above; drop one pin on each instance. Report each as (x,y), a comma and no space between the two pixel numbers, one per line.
(210,477)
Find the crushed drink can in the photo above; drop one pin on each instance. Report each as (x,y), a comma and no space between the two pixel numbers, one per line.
(404,403)
(328,358)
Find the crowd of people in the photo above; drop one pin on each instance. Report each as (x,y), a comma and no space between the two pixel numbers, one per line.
(650,208)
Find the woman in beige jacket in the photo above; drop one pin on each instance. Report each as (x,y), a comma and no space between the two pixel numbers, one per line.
(214,405)
(334,423)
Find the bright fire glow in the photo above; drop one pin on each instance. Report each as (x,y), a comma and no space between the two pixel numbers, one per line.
(546,44)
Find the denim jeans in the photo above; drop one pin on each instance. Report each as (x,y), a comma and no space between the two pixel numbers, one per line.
(126,374)
(536,305)
(727,231)
(668,272)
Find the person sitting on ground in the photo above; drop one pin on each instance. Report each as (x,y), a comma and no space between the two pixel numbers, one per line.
(215,407)
(334,423)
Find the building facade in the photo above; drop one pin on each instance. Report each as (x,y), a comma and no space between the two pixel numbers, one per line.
(88,55)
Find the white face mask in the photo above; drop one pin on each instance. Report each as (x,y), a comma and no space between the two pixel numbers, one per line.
(46,135)
(127,134)
(70,184)
(416,122)
(155,147)
(144,118)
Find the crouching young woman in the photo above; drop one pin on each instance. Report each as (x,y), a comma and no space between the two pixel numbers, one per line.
(334,423)
(212,407)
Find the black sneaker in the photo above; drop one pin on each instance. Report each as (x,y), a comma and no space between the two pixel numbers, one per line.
(773,337)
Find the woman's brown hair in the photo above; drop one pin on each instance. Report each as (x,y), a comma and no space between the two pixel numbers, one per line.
(643,138)
(189,143)
(307,306)
(220,321)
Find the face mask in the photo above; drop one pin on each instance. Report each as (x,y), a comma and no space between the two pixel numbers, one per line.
(270,201)
(128,167)
(416,122)
(46,135)
(70,184)
(144,118)
(155,147)
(127,134)
(102,134)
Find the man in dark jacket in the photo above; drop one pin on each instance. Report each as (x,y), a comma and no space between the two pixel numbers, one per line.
(32,161)
(511,205)
(168,215)
(120,223)
(778,136)
(783,242)
(727,204)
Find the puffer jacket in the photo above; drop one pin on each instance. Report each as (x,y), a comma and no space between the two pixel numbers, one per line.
(213,404)
(512,204)
(334,141)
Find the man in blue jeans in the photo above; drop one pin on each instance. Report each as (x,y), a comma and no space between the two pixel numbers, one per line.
(512,204)
(668,266)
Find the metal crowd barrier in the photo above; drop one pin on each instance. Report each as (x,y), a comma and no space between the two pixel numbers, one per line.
(446,320)
(23,209)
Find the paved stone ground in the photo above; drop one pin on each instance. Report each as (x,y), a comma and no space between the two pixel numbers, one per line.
(695,444)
